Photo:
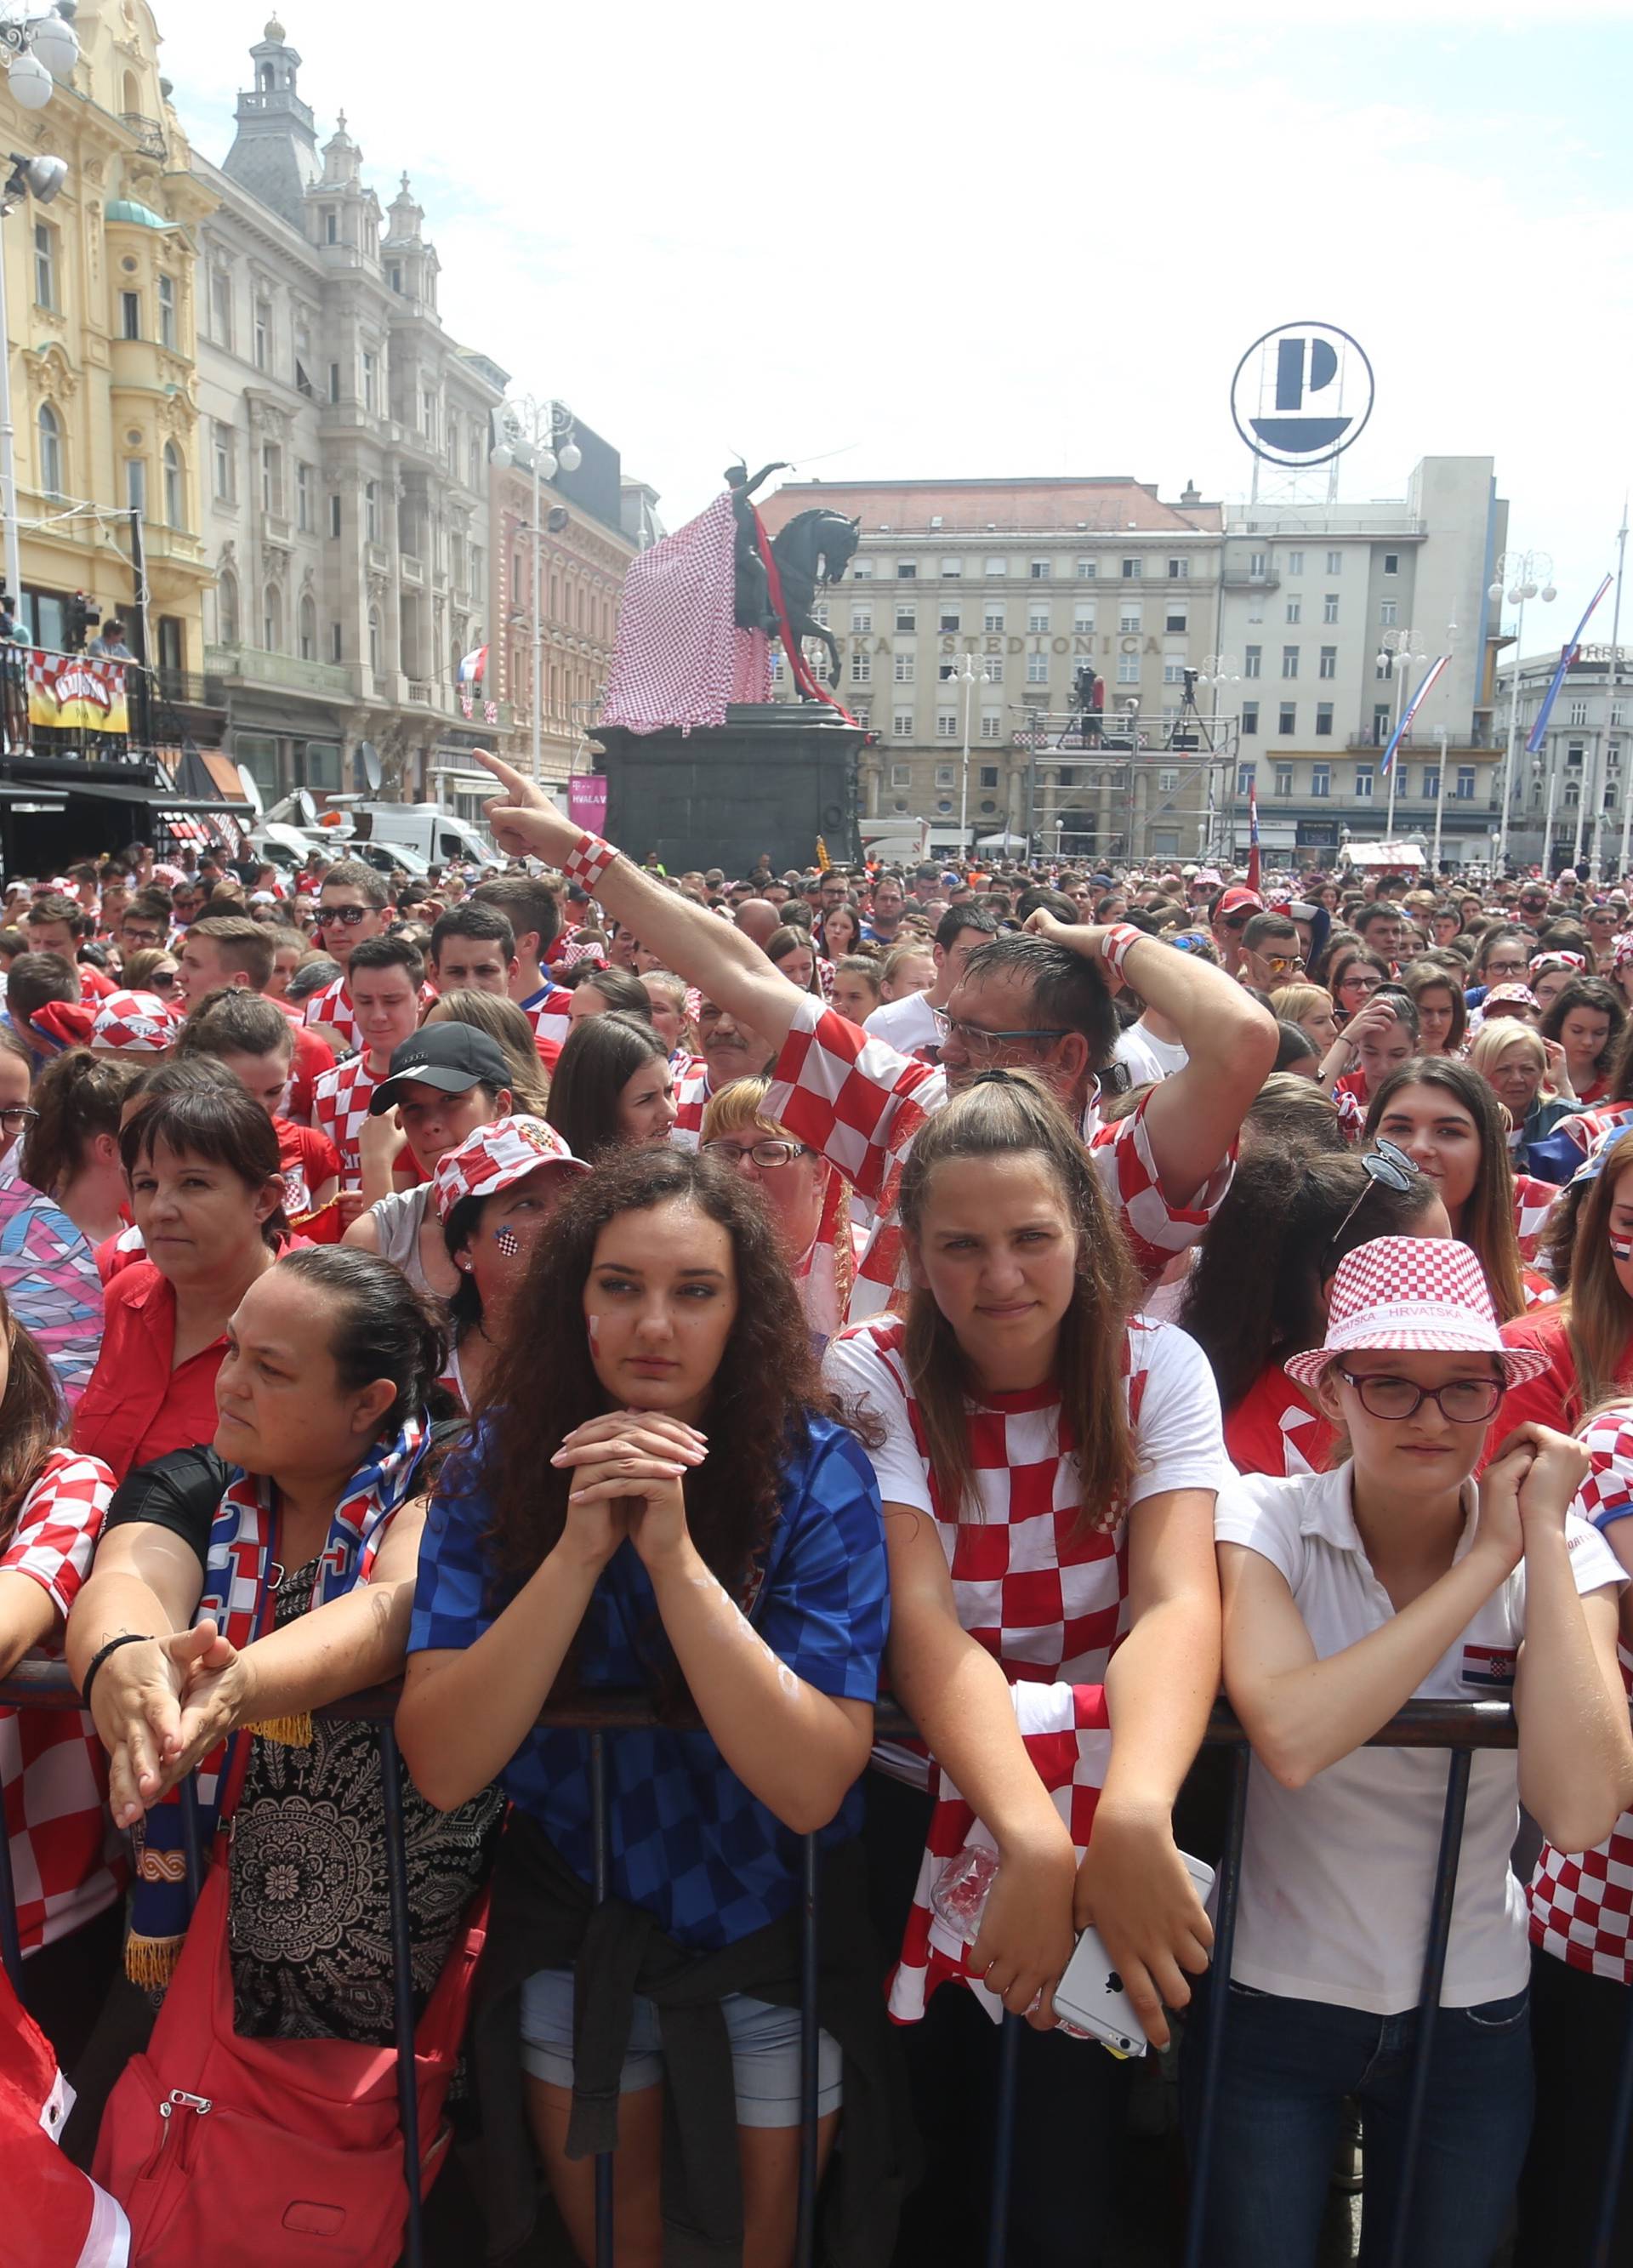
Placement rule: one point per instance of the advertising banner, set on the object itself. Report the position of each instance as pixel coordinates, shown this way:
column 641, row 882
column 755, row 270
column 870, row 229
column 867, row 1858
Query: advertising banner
column 76, row 692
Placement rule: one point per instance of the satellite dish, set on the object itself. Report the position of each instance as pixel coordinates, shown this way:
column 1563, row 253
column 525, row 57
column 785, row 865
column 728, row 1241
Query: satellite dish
column 252, row 793
column 305, row 806
column 369, row 757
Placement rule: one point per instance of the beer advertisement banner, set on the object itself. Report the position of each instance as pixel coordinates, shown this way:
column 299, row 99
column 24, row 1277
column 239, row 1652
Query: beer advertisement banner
column 78, row 693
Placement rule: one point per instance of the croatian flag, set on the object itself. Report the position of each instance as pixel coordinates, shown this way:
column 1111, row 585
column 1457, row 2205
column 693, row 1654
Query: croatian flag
column 474, row 668
column 1411, row 710
column 1567, row 655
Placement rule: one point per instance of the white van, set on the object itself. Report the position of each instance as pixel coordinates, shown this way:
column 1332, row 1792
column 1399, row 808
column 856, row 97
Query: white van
column 437, row 835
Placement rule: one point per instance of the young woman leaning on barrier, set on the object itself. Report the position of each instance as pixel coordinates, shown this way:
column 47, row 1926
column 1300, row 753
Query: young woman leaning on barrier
column 1049, row 1468
column 1347, row 1595
column 660, row 1496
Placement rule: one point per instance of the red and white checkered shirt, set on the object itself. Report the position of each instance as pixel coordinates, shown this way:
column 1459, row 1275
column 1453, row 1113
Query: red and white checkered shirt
column 339, row 1109
column 549, row 1012
column 66, row 1854
column 1044, row 1594
column 860, row 1102
column 332, row 1006
column 1581, row 1902
column 691, row 1099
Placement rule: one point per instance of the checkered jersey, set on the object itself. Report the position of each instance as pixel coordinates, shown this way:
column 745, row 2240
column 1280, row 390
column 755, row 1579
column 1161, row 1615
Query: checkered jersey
column 691, row 1098
column 858, row 1100
column 332, row 1006
column 549, row 1011
column 689, row 1843
column 65, row 1853
column 339, row 1109
column 1533, row 1200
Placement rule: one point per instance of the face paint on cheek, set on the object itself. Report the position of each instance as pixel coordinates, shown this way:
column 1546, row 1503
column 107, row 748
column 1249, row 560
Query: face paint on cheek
column 1621, row 1246
column 509, row 1243
column 592, row 1324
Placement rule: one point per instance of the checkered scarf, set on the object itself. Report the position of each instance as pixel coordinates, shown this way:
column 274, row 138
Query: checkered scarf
column 238, row 1598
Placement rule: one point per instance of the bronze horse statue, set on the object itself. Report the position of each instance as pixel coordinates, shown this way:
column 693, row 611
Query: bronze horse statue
column 813, row 552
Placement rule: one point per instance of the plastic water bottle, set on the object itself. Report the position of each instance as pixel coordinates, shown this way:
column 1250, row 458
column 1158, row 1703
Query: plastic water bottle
column 959, row 1897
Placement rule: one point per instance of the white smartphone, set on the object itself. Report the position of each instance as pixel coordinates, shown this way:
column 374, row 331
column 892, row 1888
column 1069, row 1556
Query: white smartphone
column 1091, row 1994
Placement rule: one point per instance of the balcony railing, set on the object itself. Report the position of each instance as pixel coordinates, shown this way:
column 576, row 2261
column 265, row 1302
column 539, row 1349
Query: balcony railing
column 287, row 670
column 147, row 133
column 1460, row 1728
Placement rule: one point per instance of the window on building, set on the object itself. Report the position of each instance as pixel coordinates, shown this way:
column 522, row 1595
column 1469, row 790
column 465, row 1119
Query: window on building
column 861, row 618
column 45, row 264
column 990, row 567
column 1320, row 780
column 1289, row 661
column 50, row 433
column 1389, row 612
column 1083, row 617
column 902, row 775
column 1329, row 607
column 907, row 618
column 902, row 724
column 1392, row 563
column 1335, row 562
column 1431, row 783
column 337, row 642
column 1287, row 717
column 1128, row 620
column 861, row 669
column 272, row 479
column 1168, row 782
column 947, row 729
column 334, row 381
column 1573, row 793
column 130, row 314
column 1038, row 621
column 175, row 486
column 1173, row 669
column 331, row 225
column 1259, row 565
column 308, row 629
column 1039, row 570
column 371, row 510
column 224, row 457
column 991, row 727
column 1133, row 570
column 1616, row 716
column 1253, row 661
column 906, row 570
column 167, row 311
column 1245, row 775
column 1127, row 669
column 992, row 668
column 335, row 514
column 951, row 570
column 272, row 619
column 1250, row 720
column 370, row 379
column 947, row 622
column 227, row 607
column 1284, row 779
column 1179, row 571
column 989, row 776
column 1295, row 610
column 903, row 669
column 1575, row 750
column 1577, row 712
column 136, row 484
column 1324, row 720
column 1176, row 618
column 262, row 335
column 1087, row 570
column 1037, row 669
column 305, row 492
column 1295, row 563
column 1328, row 664
column 1381, row 713
column 861, row 570
column 993, row 618
column 1364, row 782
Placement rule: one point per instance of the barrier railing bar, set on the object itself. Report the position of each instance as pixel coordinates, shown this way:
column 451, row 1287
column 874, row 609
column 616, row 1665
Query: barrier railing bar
column 1615, row 2152
column 1218, row 2002
column 1003, row 2140
column 1429, row 1998
column 804, row 2242
column 403, row 1990
column 10, row 1937
column 600, row 1842
column 191, row 1839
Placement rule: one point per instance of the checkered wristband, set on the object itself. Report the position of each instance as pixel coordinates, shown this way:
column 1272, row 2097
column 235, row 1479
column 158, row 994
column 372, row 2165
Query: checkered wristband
column 588, row 861
column 1116, row 944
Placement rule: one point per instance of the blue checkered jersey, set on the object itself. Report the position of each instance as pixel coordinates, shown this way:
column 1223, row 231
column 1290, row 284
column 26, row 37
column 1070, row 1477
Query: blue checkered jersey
column 689, row 1843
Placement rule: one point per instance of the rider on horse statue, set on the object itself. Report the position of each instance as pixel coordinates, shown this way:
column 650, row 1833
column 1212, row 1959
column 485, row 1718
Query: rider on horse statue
column 753, row 610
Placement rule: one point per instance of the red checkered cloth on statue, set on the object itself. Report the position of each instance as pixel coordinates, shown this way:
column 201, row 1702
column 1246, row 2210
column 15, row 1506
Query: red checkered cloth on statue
column 1039, row 1587
column 339, row 1109
column 67, row 1858
column 691, row 1099
column 680, row 659
column 1581, row 1902
column 861, row 1102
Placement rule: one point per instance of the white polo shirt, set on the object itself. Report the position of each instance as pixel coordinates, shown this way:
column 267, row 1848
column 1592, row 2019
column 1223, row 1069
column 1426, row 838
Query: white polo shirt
column 1337, row 1876
column 908, row 1024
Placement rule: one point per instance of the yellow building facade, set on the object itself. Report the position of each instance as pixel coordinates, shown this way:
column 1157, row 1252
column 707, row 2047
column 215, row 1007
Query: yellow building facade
column 102, row 322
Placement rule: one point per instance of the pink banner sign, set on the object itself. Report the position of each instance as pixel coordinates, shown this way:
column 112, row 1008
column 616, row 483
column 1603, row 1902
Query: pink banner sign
column 586, row 799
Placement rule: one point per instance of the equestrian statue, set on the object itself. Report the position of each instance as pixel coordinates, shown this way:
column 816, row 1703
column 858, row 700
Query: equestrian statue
column 809, row 555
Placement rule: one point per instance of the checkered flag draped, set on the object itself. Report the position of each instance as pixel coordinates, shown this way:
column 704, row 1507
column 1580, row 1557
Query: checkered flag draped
column 1533, row 1201
column 1067, row 1736
column 691, row 1099
column 551, row 1017
column 861, row 1102
column 680, row 658
column 339, row 1109
column 1589, row 1127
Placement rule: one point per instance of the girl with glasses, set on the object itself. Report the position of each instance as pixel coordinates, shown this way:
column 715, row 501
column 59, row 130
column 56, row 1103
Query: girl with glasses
column 1347, row 1594
column 808, row 1201
column 1354, row 978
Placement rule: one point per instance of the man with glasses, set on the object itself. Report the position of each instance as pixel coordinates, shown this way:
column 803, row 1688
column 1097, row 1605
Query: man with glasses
column 1040, row 1001
column 913, row 1020
column 1603, row 925
column 353, row 904
column 1534, row 906
column 1232, row 910
column 1270, row 954
column 145, row 924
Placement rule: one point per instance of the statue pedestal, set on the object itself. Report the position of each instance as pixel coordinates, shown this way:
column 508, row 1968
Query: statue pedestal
column 771, row 778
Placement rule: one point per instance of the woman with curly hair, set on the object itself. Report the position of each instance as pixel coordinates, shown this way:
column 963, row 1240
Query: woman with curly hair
column 661, row 1496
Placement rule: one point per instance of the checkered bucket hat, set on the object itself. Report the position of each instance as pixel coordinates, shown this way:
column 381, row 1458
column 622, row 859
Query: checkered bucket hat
column 495, row 1156
column 135, row 1023
column 1414, row 1295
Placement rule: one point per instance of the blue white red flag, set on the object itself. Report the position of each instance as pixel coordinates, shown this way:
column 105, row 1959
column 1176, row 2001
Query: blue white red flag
column 1567, row 655
column 474, row 668
column 1410, row 711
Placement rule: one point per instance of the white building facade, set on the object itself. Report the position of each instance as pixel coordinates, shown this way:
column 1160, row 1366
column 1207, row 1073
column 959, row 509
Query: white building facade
column 1568, row 805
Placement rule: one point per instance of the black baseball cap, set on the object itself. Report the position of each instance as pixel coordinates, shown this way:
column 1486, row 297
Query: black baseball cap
column 451, row 1057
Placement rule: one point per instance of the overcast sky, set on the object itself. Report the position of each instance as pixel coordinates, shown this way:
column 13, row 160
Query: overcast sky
column 900, row 240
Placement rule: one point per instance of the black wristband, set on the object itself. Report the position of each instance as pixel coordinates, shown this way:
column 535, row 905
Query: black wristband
column 125, row 1638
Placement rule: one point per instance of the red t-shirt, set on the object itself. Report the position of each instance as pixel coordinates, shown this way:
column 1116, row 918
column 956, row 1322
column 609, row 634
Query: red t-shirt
column 1275, row 1428
column 309, row 1160
column 136, row 1406
column 1553, row 1397
column 312, row 1056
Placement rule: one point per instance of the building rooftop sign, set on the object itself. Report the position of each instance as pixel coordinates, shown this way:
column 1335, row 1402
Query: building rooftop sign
column 1302, row 394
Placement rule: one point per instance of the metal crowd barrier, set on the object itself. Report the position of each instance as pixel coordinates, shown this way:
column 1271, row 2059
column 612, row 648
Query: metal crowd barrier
column 1458, row 1727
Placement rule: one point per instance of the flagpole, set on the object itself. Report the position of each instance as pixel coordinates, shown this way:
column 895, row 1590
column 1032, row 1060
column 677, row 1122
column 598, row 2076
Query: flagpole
column 1394, row 767
column 1439, row 798
column 1615, row 669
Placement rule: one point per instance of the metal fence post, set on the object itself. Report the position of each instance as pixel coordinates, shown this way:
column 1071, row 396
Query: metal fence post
column 602, row 1862
column 805, row 2247
column 1429, row 1997
column 1218, row 1999
column 192, row 1851
column 1003, row 2140
column 1615, row 2152
column 11, row 1940
column 402, row 1989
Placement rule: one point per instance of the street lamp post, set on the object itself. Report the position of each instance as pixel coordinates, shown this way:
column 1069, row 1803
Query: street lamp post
column 540, row 433
column 1394, row 652
column 1439, row 799
column 969, row 677
column 1522, row 575
column 1219, row 669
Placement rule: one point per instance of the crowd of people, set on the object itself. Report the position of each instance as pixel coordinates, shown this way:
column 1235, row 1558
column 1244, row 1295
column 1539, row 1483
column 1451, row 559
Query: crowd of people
column 1043, row 1298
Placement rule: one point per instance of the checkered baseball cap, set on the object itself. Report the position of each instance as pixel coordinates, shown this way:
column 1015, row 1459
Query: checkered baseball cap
column 493, row 1157
column 1515, row 996
column 1413, row 1295
column 1541, row 963
column 135, row 1023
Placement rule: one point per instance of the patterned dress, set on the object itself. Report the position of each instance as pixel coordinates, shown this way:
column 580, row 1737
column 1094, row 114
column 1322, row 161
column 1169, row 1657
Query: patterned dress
column 49, row 1273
